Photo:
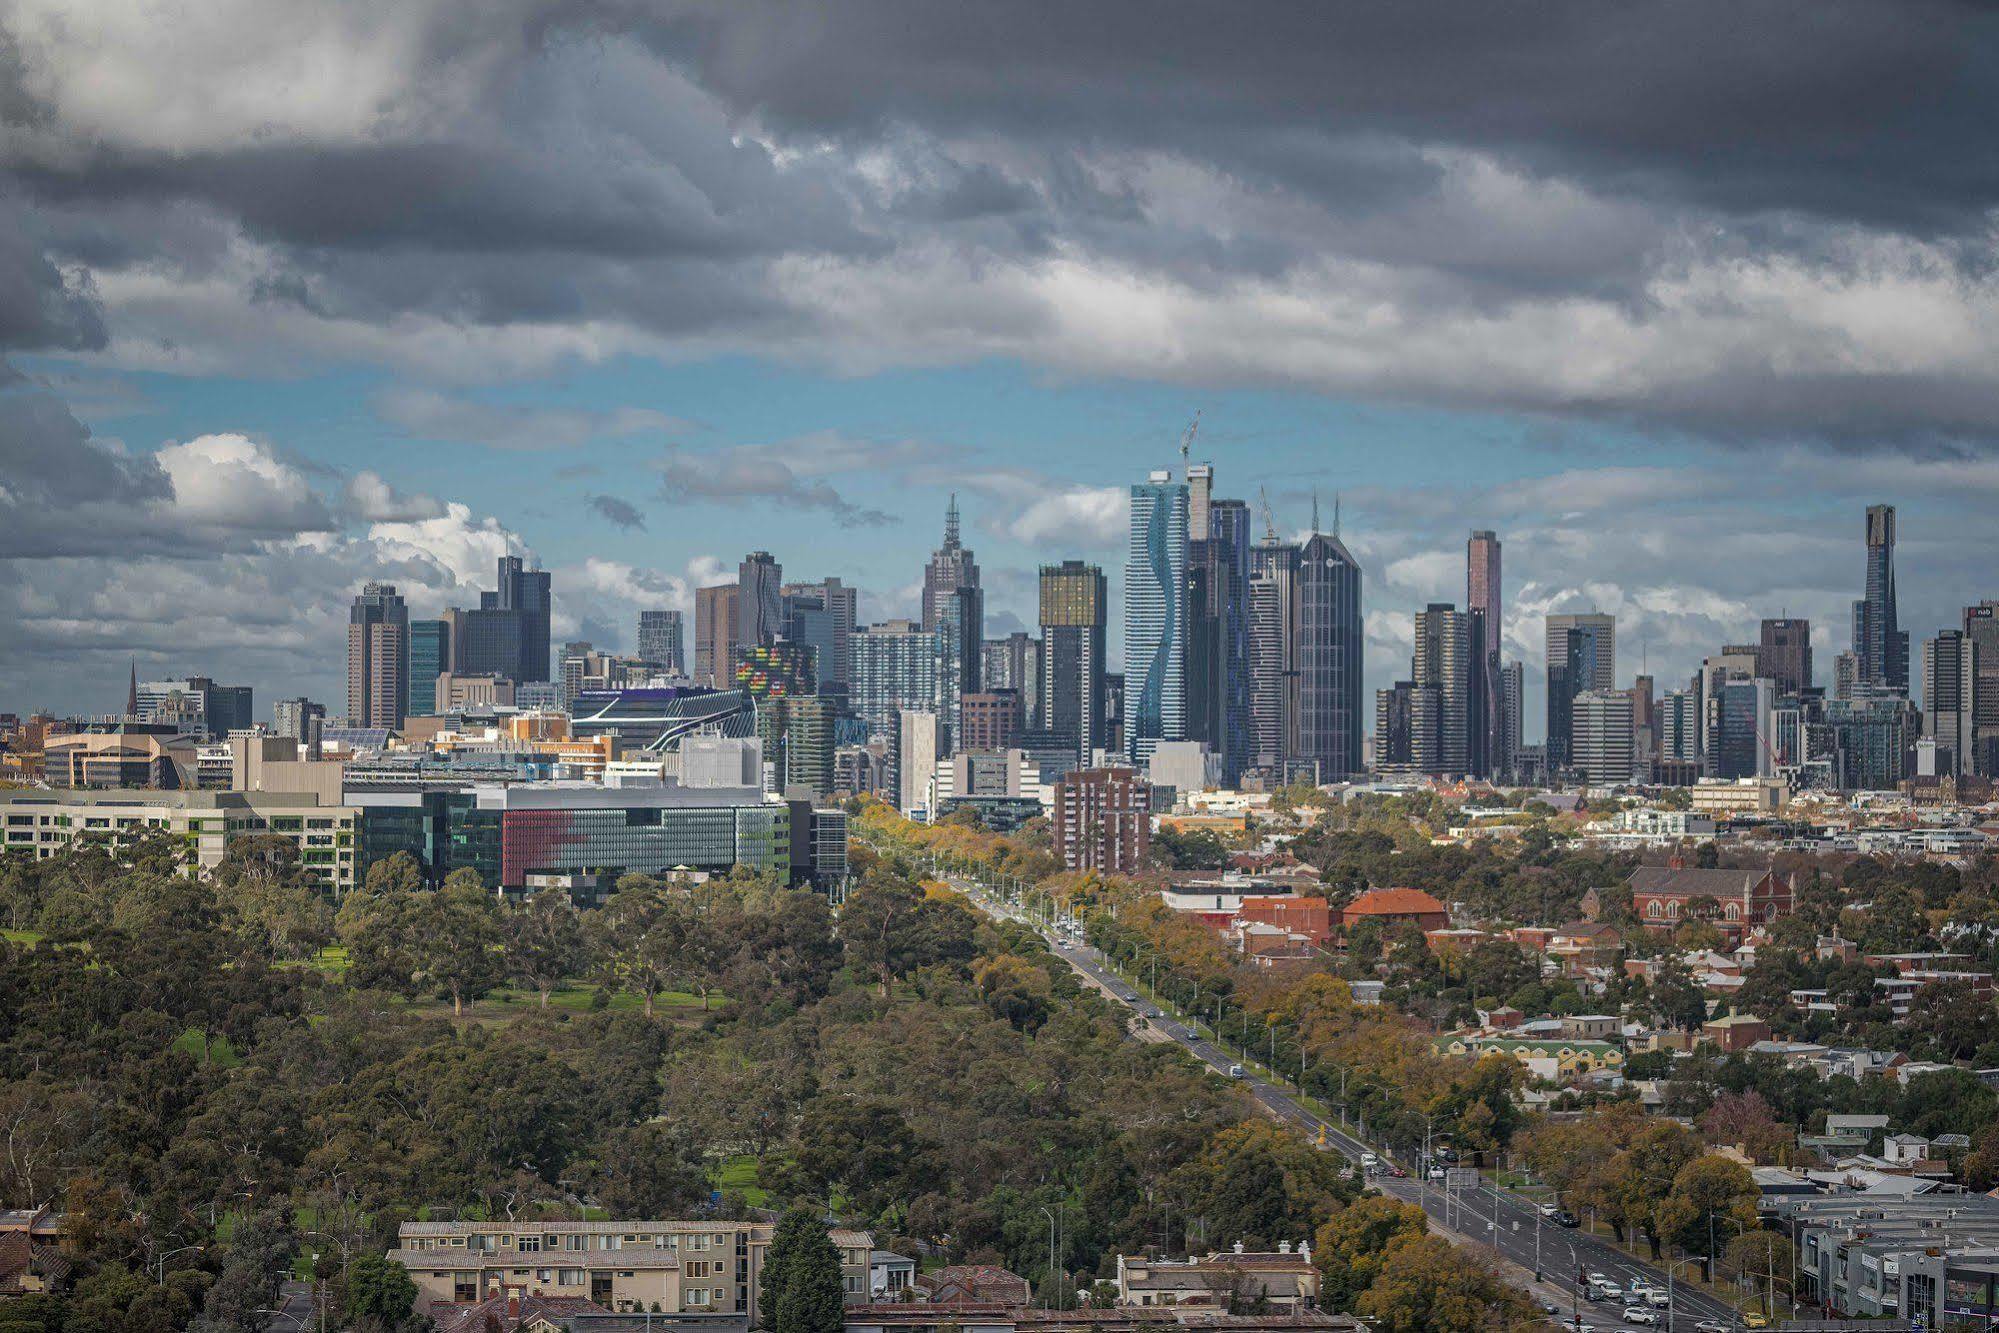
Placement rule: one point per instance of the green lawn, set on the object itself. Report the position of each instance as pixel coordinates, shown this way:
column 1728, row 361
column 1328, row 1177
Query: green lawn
column 21, row 936
column 216, row 1050
column 504, row 1003
column 739, row 1175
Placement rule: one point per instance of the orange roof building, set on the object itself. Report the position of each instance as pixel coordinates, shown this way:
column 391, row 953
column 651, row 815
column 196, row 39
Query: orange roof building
column 1392, row 905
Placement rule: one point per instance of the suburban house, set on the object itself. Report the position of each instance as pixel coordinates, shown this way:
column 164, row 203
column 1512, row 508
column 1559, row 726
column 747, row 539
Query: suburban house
column 1664, row 896
column 1393, row 906
column 1555, row 1058
column 702, row 1267
column 1284, row 1279
column 1735, row 1032
column 975, row 1284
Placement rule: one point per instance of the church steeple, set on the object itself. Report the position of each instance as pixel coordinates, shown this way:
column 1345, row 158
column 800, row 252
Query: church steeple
column 132, row 692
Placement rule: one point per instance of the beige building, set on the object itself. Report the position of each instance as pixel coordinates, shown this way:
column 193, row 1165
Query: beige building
column 1284, row 1278
column 204, row 822
column 704, row 1267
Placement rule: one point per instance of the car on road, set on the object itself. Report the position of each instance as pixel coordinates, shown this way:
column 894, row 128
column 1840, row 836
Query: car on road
column 1565, row 1218
column 1447, row 1154
column 1550, row 1211
column 1639, row 1314
column 1399, row 1172
column 1235, row 1071
column 1754, row 1320
column 1436, row 1173
column 1713, row 1326
column 1369, row 1162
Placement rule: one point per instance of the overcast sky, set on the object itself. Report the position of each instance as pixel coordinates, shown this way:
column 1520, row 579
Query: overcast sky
column 295, row 295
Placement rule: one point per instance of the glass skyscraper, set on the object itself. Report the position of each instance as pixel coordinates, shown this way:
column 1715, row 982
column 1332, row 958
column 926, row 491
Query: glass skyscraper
column 430, row 654
column 1329, row 651
column 1879, row 641
column 1155, row 616
column 1218, row 711
column 1072, row 655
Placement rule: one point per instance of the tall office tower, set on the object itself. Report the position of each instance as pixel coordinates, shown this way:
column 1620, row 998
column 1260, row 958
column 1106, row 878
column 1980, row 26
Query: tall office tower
column 894, row 671
column 1981, row 626
column 714, row 633
column 1582, row 655
column 1950, row 698
column 1446, row 650
column 1741, row 743
column 1273, row 655
column 951, row 566
column 1483, row 600
column 1644, row 725
column 430, row 657
column 525, row 593
column 988, row 721
column 1073, row 606
column 1014, row 663
column 1200, row 497
column 796, row 733
column 759, row 601
column 1394, row 727
column 294, row 717
column 1218, row 712
column 1512, row 716
column 662, row 641
column 1879, row 641
column 821, row 617
column 1155, row 616
column 960, row 636
column 1602, row 746
column 1680, row 727
column 1784, row 656
column 1735, row 661
column 378, row 663
column 1330, row 648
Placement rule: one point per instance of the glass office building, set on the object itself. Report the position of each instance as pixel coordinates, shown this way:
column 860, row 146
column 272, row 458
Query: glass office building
column 1155, row 616
column 430, row 655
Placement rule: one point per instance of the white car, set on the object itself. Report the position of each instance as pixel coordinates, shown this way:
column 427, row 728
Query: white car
column 1713, row 1326
column 1639, row 1314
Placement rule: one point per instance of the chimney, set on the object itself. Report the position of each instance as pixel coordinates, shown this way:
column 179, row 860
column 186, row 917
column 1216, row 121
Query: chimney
column 1238, row 1247
column 1284, row 1247
column 1676, row 862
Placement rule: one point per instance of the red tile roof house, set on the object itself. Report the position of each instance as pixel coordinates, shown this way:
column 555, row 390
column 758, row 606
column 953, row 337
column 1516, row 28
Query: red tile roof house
column 974, row 1284
column 1661, row 896
column 1389, row 906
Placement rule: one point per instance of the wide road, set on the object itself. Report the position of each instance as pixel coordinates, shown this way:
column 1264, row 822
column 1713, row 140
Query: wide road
column 1471, row 1214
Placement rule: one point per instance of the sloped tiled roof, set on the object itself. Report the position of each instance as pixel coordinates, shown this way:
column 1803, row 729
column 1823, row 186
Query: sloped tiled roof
column 1394, row 902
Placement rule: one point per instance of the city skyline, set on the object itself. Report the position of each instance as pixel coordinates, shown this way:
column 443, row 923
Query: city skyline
column 229, row 408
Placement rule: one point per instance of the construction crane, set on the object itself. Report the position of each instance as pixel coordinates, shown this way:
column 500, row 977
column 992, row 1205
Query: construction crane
column 1269, row 523
column 1187, row 437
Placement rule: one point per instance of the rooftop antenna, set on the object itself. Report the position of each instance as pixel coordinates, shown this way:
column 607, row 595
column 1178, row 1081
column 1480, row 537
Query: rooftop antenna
column 951, row 523
column 1336, row 515
column 1315, row 511
column 1187, row 438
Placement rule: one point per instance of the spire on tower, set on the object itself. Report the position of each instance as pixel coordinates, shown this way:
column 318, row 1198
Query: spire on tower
column 132, row 692
column 1315, row 511
column 951, row 523
column 1336, row 515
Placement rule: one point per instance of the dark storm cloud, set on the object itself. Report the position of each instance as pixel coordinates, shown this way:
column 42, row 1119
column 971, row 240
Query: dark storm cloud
column 619, row 513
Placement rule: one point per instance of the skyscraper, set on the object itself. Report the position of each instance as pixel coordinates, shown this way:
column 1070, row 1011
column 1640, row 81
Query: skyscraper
column 1581, row 655
column 1218, row 634
column 1512, row 715
column 378, row 626
column 662, row 641
column 430, row 657
column 1394, row 727
column 1330, row 647
column 1950, row 695
column 951, row 566
column 714, row 633
column 759, row 600
column 525, row 593
column 1784, row 656
column 960, row 640
column 1446, row 648
column 1743, row 740
column 1483, row 601
column 822, row 615
column 1014, row 663
column 1155, row 616
column 1981, row 626
column 1072, row 655
column 1880, row 644
column 894, row 671
column 1273, row 655
column 1603, row 745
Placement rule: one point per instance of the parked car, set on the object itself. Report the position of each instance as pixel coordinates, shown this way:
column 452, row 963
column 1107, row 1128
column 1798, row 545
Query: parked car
column 1754, row 1320
column 1712, row 1326
column 1550, row 1211
column 1399, row 1172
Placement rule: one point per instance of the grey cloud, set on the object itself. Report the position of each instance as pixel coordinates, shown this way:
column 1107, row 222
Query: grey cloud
column 772, row 474
column 619, row 513
column 438, row 416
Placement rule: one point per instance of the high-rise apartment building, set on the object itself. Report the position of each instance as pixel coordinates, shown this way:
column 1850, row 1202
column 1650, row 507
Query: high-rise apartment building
column 913, row 758
column 1273, row 655
column 1330, row 648
column 988, row 720
column 1950, row 699
column 1101, row 820
column 1680, row 728
column 1602, row 747
column 714, row 632
column 1880, row 644
column 894, row 668
column 951, row 566
column 1483, row 602
column 1981, row 626
column 1784, row 655
column 430, row 657
column 1073, row 606
column 1742, row 730
column 1581, row 656
column 1446, row 650
column 1155, row 616
column 662, row 641
column 759, row 600
column 1512, row 716
column 1395, row 728
column 1218, row 633
column 1014, row 663
column 297, row 718
column 378, row 626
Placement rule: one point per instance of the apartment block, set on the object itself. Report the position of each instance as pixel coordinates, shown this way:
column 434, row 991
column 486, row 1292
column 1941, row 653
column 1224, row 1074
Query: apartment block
column 705, row 1267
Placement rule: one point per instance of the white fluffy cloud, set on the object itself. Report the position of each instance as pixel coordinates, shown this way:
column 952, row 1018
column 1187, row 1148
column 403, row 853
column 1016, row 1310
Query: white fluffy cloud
column 1093, row 516
column 233, row 481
